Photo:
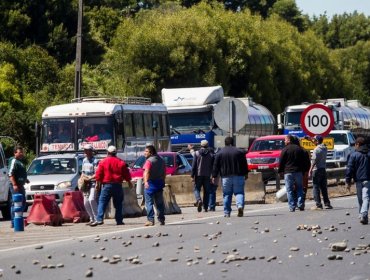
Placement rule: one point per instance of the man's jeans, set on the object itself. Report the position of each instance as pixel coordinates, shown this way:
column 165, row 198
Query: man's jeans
column 114, row 190
column 212, row 196
column 157, row 199
column 319, row 183
column 292, row 180
column 363, row 193
column 204, row 181
column 233, row 185
column 21, row 191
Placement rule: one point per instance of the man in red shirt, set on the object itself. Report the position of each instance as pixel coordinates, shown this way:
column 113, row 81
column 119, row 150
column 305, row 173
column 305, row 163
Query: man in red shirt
column 111, row 172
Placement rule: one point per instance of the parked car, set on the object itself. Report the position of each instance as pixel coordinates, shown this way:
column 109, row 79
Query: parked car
column 5, row 196
column 175, row 164
column 53, row 174
column 264, row 154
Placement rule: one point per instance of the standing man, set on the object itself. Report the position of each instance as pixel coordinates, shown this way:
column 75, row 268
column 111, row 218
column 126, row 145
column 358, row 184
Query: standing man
column 18, row 177
column 201, row 175
column 110, row 173
column 154, row 180
column 231, row 164
column 89, row 166
column 358, row 168
column 318, row 172
column 292, row 165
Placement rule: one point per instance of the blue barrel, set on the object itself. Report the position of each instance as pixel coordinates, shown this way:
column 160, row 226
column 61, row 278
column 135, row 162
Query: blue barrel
column 18, row 212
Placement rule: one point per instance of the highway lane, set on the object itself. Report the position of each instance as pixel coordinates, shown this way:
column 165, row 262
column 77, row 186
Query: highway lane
column 195, row 245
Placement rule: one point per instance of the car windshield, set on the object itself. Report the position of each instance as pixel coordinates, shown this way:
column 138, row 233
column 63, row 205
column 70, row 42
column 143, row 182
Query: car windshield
column 268, row 145
column 339, row 139
column 191, row 122
column 293, row 118
column 168, row 159
column 52, row 166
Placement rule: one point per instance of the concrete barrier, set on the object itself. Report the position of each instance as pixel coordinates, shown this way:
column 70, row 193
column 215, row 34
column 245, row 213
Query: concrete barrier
column 170, row 203
column 255, row 189
column 130, row 207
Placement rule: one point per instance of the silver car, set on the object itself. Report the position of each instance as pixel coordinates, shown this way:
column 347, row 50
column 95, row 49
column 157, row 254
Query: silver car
column 53, row 174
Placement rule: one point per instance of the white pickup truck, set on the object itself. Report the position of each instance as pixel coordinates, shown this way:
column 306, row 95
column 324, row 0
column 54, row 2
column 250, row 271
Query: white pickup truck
column 344, row 145
column 5, row 196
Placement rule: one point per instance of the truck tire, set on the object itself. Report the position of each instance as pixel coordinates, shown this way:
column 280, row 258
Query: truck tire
column 5, row 210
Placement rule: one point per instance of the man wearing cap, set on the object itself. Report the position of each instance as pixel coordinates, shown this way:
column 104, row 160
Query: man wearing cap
column 111, row 172
column 89, row 166
column 318, row 172
column 201, row 174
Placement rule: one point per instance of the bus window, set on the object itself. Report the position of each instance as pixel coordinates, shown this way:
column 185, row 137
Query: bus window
column 128, row 126
column 148, row 124
column 164, row 123
column 159, row 126
column 139, row 124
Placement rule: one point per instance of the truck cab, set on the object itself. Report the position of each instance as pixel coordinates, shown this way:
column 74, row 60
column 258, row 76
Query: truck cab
column 5, row 196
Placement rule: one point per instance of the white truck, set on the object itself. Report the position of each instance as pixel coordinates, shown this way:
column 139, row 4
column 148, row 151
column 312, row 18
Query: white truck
column 5, row 196
column 344, row 145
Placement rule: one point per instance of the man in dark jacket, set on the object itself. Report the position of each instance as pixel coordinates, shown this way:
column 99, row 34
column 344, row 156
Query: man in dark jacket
column 231, row 164
column 201, row 174
column 292, row 161
column 358, row 169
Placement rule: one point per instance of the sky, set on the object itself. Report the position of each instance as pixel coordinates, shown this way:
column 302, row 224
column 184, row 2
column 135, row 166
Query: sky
column 317, row 7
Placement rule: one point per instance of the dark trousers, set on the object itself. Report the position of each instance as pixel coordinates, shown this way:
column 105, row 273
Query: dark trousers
column 212, row 196
column 319, row 184
column 115, row 191
column 204, row 181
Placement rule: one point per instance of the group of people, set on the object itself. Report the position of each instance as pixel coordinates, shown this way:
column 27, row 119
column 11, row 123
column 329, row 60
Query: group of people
column 104, row 179
column 231, row 165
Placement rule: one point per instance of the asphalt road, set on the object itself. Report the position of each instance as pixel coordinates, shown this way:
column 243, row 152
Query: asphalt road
column 264, row 244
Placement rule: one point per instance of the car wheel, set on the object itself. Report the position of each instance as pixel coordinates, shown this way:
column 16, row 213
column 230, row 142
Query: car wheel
column 6, row 210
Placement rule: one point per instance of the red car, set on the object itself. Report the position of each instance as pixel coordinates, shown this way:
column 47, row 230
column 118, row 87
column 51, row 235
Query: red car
column 175, row 164
column 264, row 154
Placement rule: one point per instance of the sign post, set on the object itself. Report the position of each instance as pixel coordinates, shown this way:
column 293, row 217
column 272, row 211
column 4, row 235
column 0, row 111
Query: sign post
column 317, row 119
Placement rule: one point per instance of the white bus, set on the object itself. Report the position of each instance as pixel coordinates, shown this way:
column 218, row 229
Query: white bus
column 128, row 123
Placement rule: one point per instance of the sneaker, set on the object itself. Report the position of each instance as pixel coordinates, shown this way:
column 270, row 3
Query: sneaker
column 162, row 223
column 364, row 220
column 240, row 212
column 301, row 208
column 316, row 208
column 199, row 206
column 93, row 224
column 328, row 206
column 227, row 215
column 149, row 224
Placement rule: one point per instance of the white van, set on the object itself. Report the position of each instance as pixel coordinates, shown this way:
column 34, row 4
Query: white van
column 5, row 196
column 344, row 146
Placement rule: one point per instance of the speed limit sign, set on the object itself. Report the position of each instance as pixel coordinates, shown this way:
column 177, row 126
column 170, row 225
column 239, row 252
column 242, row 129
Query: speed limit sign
column 317, row 119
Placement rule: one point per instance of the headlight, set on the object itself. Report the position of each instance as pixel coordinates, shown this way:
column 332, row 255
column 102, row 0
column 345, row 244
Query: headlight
column 277, row 160
column 339, row 154
column 64, row 185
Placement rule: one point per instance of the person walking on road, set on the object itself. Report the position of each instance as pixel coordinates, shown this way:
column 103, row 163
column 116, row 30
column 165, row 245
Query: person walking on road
column 231, row 164
column 89, row 166
column 154, row 181
column 358, row 169
column 201, row 175
column 17, row 178
column 292, row 166
column 110, row 173
column 318, row 173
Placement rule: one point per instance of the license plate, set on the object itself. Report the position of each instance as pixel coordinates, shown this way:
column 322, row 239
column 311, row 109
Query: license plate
column 263, row 167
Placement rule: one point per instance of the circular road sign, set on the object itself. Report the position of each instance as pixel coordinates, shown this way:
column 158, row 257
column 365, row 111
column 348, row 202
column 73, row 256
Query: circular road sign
column 317, row 119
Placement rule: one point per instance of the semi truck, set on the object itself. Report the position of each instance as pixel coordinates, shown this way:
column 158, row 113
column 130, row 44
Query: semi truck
column 192, row 118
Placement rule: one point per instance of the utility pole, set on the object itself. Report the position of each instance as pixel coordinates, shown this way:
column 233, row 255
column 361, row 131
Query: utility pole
column 78, row 73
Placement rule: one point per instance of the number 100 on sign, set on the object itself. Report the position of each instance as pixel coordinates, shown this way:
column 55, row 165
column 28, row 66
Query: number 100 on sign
column 317, row 119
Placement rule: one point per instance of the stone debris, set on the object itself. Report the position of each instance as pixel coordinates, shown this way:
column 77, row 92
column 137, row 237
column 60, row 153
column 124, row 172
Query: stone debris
column 35, row 262
column 147, row 236
column 338, row 246
column 51, row 266
column 135, row 261
column 156, row 244
column 271, row 258
column 39, row 247
column 174, row 260
column 44, row 266
column 158, row 259
column 332, row 257
column 180, row 234
column 89, row 273
column 102, row 248
column 105, row 259
column 224, row 270
column 17, row 271
column 83, row 255
column 211, row 261
column 294, row 249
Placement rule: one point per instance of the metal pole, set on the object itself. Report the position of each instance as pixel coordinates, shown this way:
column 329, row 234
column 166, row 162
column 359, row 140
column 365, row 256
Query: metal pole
column 78, row 74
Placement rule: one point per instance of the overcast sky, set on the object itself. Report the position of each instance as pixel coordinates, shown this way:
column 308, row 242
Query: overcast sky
column 317, row 7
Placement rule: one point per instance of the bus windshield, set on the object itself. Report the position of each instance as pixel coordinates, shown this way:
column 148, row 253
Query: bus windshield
column 97, row 131
column 191, row 122
column 58, row 135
